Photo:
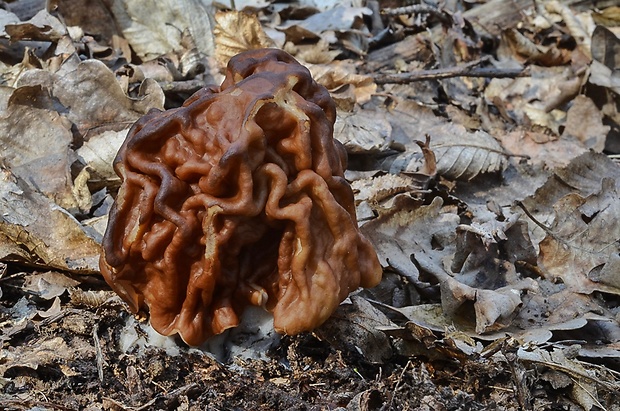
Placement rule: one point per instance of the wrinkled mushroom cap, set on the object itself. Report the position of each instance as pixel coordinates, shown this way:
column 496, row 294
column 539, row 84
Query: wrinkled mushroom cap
column 237, row 198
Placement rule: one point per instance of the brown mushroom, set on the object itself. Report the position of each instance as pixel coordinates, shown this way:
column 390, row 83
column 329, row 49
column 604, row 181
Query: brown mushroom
column 237, row 198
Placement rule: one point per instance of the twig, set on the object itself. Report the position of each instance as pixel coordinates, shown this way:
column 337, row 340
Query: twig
column 509, row 350
column 99, row 354
column 186, row 86
column 418, row 9
column 538, row 223
column 22, row 403
column 400, row 380
column 172, row 394
column 449, row 72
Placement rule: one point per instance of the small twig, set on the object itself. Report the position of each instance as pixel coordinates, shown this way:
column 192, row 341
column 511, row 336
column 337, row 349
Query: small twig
column 400, row 380
column 418, row 9
column 170, row 395
column 186, row 86
column 413, row 9
column 538, row 223
column 509, row 350
column 449, row 72
column 99, row 354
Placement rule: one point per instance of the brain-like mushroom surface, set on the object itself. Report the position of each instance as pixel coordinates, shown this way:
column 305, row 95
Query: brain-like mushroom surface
column 236, row 198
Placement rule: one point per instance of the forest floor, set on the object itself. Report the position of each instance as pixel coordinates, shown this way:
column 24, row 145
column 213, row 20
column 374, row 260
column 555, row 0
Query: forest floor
column 483, row 141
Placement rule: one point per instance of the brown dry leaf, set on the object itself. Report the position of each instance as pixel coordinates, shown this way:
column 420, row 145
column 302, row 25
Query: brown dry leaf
column 460, row 154
column 363, row 131
column 48, row 234
column 91, row 16
column 585, row 379
column 433, row 317
column 494, row 309
column 583, row 176
column 535, row 100
column 605, row 68
column 579, row 26
column 318, row 53
column 53, row 311
column 30, row 116
column 609, row 16
column 554, row 307
column 237, row 32
column 578, row 206
column 408, row 230
column 355, row 327
column 542, row 148
column 42, row 27
column 583, row 238
column 339, row 18
column 83, row 98
column 99, row 152
column 529, row 51
column 378, row 188
column 96, row 101
column 339, row 75
column 37, row 353
column 584, row 121
column 156, row 28
column 48, row 285
column 481, row 275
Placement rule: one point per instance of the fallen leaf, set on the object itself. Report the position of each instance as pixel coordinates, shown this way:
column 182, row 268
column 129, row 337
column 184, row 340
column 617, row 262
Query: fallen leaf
column 460, row 154
column 584, row 236
column 237, row 32
column 155, row 29
column 408, row 230
column 354, row 327
column 48, row 285
column 49, row 235
column 584, row 121
column 338, row 18
column 363, row 131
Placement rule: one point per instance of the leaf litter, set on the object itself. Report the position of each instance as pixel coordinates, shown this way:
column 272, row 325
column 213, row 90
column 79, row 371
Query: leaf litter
column 484, row 159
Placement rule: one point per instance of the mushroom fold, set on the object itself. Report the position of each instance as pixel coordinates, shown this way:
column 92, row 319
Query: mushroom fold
column 237, row 198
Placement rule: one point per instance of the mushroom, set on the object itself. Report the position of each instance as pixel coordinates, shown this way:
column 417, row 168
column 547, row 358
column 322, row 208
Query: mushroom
column 237, row 198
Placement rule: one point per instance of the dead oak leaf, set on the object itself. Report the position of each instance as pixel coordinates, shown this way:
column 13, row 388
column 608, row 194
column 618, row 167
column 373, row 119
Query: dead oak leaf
column 408, row 229
column 584, row 236
column 237, row 32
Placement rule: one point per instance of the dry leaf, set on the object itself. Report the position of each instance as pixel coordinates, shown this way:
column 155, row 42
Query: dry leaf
column 37, row 353
column 409, row 230
column 584, row 121
column 97, row 102
column 156, row 28
column 541, row 148
column 41, row 155
column 584, row 236
column 42, row 27
column 237, row 32
column 459, row 153
column 532, row 100
column 337, row 75
column 605, row 68
column 50, row 236
column 362, row 131
column 340, row 18
column 48, row 285
column 378, row 188
column 354, row 327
